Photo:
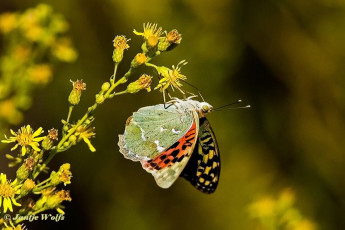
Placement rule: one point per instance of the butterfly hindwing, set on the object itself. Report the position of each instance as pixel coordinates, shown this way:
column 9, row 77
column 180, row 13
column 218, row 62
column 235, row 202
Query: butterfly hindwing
column 203, row 169
column 167, row 166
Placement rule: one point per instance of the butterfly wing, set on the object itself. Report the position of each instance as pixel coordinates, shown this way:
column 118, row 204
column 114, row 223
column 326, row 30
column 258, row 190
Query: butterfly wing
column 168, row 165
column 203, row 169
column 162, row 139
column 153, row 129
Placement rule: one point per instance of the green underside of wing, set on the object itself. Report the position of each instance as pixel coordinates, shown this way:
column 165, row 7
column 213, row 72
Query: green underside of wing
column 155, row 124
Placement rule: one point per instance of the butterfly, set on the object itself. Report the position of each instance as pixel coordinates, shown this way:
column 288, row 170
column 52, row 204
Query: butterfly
column 174, row 141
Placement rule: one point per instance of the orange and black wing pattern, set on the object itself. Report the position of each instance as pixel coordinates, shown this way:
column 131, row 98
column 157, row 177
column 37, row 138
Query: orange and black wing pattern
column 203, row 169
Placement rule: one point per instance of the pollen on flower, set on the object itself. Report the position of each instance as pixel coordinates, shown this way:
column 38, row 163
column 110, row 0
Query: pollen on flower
column 120, row 42
column 152, row 41
column 144, row 82
column 53, row 134
column 49, row 140
column 74, row 96
column 139, row 59
column 64, row 195
column 174, row 37
column 79, row 85
column 25, row 137
column 29, row 163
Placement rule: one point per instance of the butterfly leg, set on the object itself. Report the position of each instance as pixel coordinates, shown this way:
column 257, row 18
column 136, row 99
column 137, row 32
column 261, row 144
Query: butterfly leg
column 165, row 106
column 194, row 88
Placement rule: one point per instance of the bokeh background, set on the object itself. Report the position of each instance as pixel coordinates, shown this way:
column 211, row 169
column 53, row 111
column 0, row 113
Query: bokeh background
column 285, row 58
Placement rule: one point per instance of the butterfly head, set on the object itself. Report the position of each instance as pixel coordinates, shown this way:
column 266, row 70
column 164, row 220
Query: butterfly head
column 205, row 108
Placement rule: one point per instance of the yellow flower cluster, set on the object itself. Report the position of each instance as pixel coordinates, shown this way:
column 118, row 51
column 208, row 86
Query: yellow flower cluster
column 279, row 213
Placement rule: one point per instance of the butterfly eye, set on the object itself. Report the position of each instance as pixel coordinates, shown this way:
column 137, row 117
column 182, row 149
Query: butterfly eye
column 205, row 108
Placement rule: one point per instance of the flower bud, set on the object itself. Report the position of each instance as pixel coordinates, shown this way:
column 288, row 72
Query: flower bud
column 54, row 200
column 170, row 41
column 138, row 60
column 120, row 44
column 99, row 98
column 72, row 139
column 105, row 86
column 75, row 94
column 27, row 187
column 24, row 170
column 62, row 176
column 143, row 82
column 48, row 141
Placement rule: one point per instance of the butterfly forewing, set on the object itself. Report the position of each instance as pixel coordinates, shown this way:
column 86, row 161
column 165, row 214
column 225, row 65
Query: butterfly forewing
column 153, row 129
column 203, row 169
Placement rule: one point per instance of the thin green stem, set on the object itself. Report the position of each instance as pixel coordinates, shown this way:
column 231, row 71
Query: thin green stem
column 120, row 93
column 43, row 182
column 112, row 80
column 69, row 112
column 151, row 65
column 41, row 188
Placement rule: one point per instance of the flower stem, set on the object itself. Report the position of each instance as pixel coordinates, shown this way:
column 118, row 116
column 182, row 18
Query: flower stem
column 112, row 79
column 69, row 112
column 41, row 188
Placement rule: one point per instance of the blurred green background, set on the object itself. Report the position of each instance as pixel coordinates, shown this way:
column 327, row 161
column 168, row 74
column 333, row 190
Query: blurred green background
column 285, row 58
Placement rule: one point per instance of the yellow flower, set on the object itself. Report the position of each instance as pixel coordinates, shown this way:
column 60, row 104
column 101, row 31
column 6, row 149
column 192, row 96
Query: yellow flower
column 8, row 22
column 41, row 74
column 63, row 175
column 264, row 207
column 9, row 112
column 150, row 30
column 171, row 77
column 7, row 192
column 305, row 225
column 25, row 137
column 151, row 34
column 63, row 50
column 85, row 133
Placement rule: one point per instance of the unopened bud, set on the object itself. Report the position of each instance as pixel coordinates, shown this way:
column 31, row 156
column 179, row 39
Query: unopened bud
column 138, row 60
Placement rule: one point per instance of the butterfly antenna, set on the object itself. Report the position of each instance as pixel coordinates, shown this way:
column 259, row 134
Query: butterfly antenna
column 194, row 88
column 221, row 108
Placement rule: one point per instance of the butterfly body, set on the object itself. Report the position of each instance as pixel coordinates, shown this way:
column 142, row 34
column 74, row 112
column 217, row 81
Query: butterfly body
column 172, row 141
